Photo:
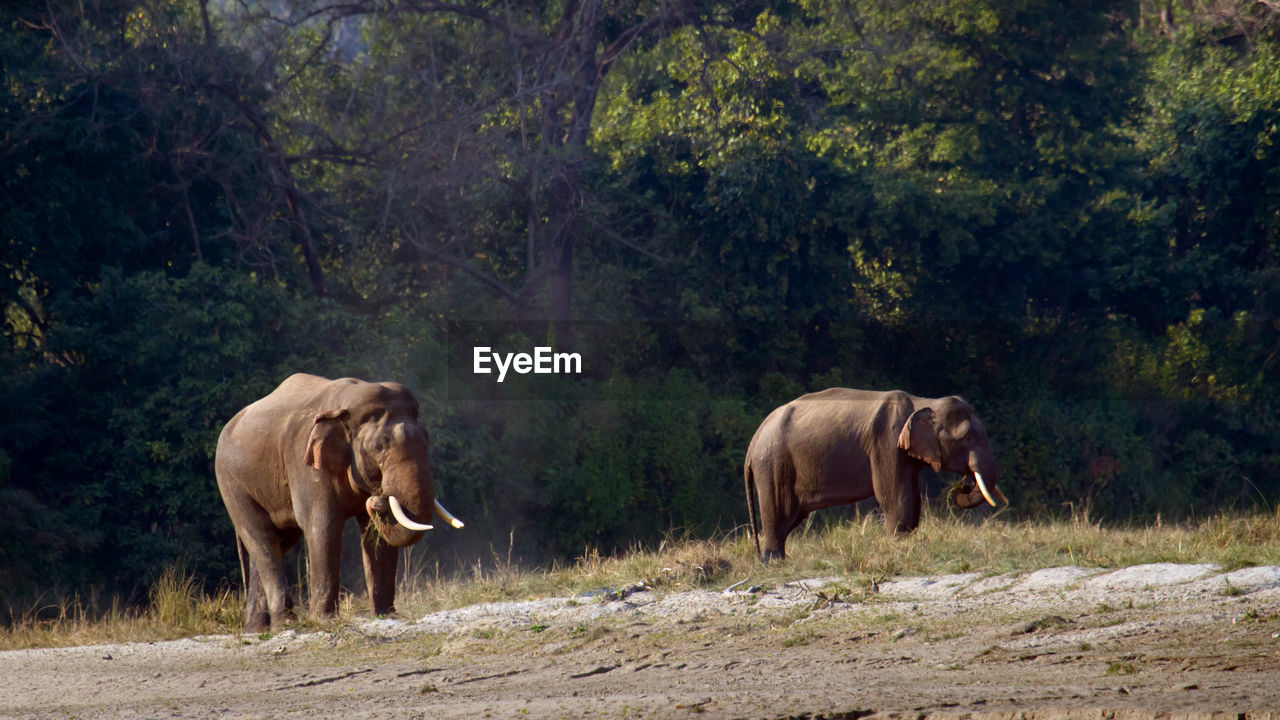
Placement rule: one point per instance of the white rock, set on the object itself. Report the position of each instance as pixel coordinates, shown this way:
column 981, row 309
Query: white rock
column 929, row 587
column 1153, row 575
column 1243, row 581
column 1053, row 579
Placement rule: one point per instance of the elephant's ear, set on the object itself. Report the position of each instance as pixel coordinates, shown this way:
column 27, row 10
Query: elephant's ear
column 919, row 438
column 328, row 448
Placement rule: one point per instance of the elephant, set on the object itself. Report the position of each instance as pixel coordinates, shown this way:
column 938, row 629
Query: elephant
column 841, row 446
column 302, row 460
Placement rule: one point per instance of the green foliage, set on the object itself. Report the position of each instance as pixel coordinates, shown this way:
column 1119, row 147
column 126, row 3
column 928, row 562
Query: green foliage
column 1067, row 213
column 633, row 469
column 112, row 445
column 1207, row 380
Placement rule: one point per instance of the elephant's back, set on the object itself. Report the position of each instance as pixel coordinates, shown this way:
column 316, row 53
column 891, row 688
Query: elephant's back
column 842, row 405
column 790, row 424
column 266, row 422
column 312, row 395
column 824, row 417
column 302, row 390
column 299, row 398
column 252, row 438
column 852, row 397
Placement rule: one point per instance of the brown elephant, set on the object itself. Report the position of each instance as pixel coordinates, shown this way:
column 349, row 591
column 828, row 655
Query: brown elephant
column 841, row 446
column 301, row 461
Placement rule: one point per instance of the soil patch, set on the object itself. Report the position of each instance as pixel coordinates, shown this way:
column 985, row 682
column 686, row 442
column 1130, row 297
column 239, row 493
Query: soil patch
column 1142, row 642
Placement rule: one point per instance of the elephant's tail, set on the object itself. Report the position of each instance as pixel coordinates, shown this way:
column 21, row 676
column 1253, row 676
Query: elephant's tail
column 749, row 482
column 243, row 553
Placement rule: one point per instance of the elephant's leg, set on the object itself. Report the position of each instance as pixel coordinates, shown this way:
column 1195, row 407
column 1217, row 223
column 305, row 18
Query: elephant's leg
column 264, row 546
column 324, row 558
column 267, row 572
column 783, row 526
column 261, row 547
column 256, row 617
column 777, row 519
column 900, row 501
column 772, row 542
column 797, row 522
column 380, row 562
column 288, row 539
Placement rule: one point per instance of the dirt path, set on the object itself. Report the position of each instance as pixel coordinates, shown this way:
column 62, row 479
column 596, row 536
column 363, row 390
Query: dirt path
column 1144, row 642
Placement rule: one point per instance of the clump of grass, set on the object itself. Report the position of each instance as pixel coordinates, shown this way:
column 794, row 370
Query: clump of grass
column 1121, row 667
column 677, row 563
column 803, row 638
column 176, row 607
column 65, row 621
column 947, row 543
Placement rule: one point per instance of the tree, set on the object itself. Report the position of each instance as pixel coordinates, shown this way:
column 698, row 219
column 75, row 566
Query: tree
column 463, row 130
column 1211, row 364
column 142, row 259
column 131, row 141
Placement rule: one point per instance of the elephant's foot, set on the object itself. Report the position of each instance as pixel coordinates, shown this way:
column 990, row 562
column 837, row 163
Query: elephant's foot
column 770, row 554
column 280, row 621
column 324, row 609
column 258, row 624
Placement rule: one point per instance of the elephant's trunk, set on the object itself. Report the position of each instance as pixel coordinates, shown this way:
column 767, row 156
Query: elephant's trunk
column 401, row 512
column 983, row 467
column 394, row 523
column 402, row 506
column 379, row 505
column 400, row 521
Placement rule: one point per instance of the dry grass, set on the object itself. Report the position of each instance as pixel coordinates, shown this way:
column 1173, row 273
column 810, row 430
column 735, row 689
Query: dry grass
column 176, row 607
column 855, row 549
column 858, row 550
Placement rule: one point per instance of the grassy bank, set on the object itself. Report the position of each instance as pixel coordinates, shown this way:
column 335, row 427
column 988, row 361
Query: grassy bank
column 855, row 549
column 859, row 550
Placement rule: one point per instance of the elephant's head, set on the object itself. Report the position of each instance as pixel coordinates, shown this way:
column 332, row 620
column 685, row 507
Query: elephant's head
column 384, row 453
column 949, row 436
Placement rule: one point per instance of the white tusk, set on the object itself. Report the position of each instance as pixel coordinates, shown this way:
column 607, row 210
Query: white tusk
column 447, row 516
column 981, row 486
column 402, row 518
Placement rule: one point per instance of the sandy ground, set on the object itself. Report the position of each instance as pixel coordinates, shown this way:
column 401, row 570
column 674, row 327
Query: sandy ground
column 1153, row 641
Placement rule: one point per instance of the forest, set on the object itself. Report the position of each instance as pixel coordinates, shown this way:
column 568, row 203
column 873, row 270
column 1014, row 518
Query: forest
column 1068, row 213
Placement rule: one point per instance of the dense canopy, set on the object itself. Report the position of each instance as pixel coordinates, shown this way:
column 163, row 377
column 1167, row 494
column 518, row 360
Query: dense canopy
column 1069, row 213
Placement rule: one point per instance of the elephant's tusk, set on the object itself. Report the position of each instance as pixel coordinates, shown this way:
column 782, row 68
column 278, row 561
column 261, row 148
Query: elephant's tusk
column 1000, row 496
column 447, row 516
column 402, row 518
column 987, row 493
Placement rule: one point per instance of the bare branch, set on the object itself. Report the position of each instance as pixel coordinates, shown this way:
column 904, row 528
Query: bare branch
column 293, row 198
column 613, row 235
column 466, row 267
